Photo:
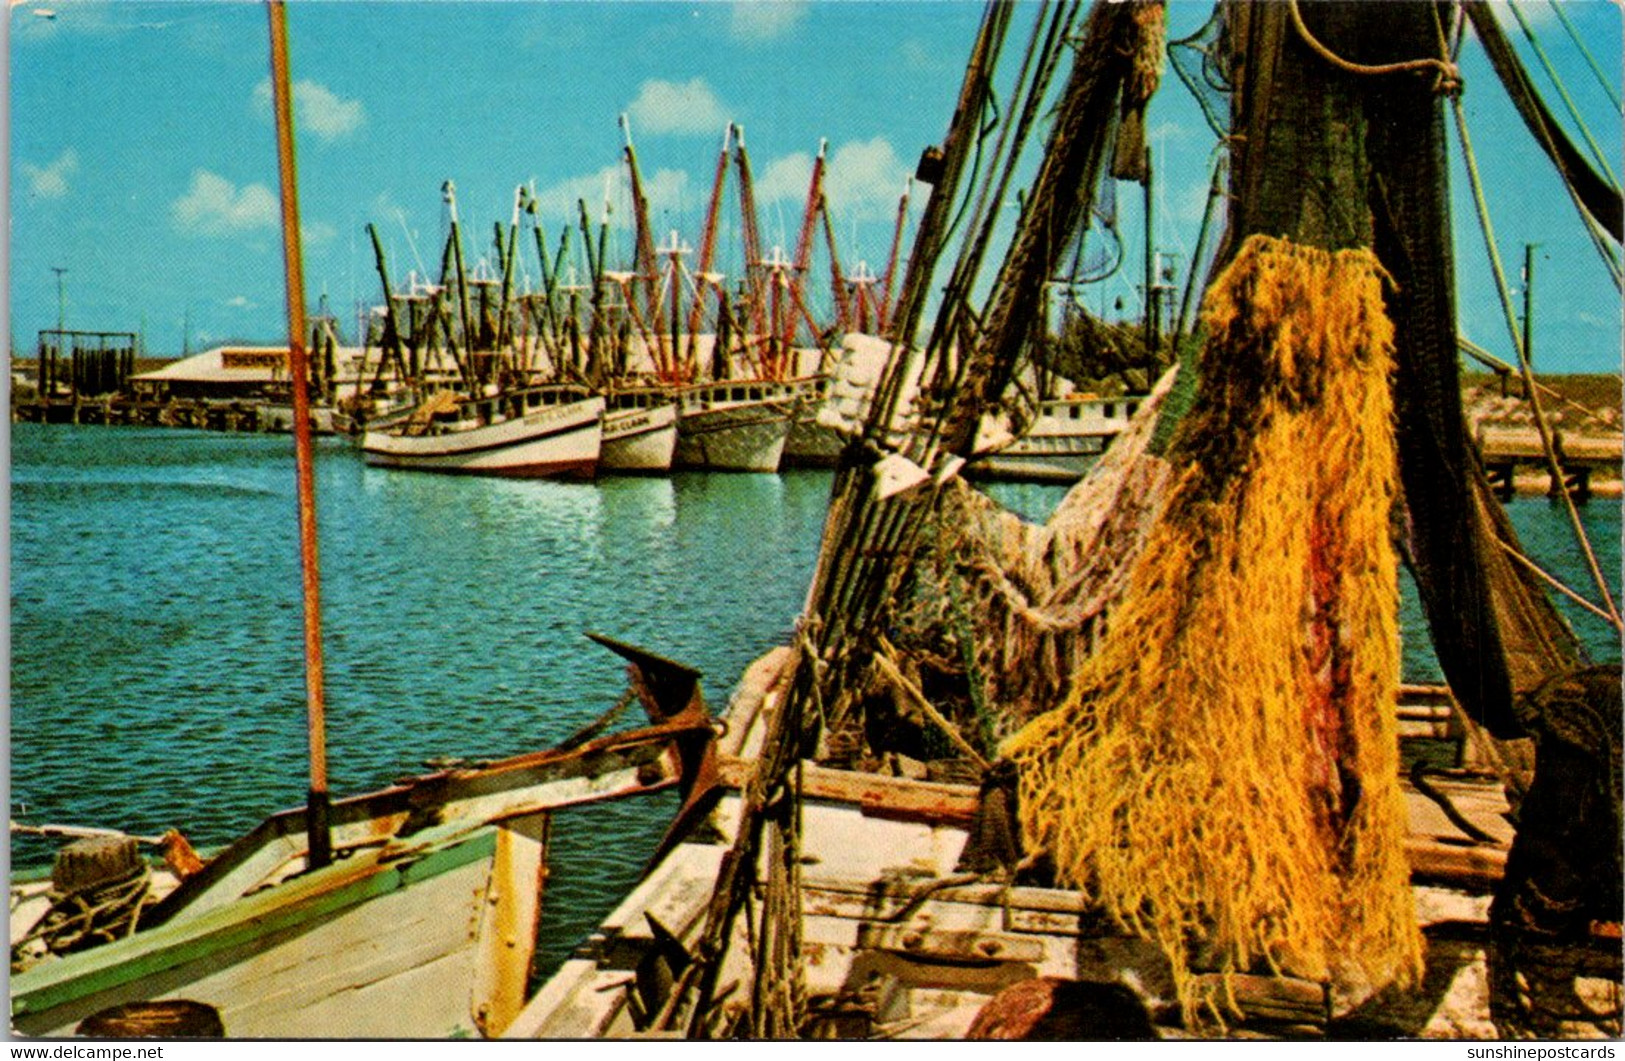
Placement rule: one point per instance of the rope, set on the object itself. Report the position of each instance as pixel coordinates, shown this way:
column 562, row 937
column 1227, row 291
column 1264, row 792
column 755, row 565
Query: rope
column 1602, row 79
column 1555, row 584
column 894, row 675
column 1449, row 79
column 1563, row 94
column 100, row 913
column 1505, row 293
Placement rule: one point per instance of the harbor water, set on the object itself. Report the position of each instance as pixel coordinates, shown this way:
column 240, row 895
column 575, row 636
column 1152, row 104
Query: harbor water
column 156, row 643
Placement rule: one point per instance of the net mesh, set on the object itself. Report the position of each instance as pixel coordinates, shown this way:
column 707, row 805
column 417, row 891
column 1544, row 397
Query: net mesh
column 1222, row 776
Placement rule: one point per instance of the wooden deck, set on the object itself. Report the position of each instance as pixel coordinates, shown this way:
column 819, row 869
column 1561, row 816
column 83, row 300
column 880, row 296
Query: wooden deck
column 897, row 945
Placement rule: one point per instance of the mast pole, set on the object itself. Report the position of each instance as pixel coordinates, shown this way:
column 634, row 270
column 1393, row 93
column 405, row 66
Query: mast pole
column 317, row 803
column 883, row 311
column 804, row 244
column 391, row 342
column 837, row 279
column 708, row 243
column 504, row 331
column 645, row 259
column 455, row 242
column 752, row 233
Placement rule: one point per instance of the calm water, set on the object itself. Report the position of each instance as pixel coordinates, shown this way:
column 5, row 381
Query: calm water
column 156, row 672
column 156, row 676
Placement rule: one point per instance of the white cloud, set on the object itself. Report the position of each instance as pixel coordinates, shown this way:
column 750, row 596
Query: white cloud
column 760, row 20
column 785, row 178
column 385, row 206
column 1167, row 133
column 862, row 180
column 213, row 206
column 664, row 189
column 670, row 107
column 316, row 109
column 317, row 233
column 557, row 202
column 241, row 302
column 51, row 181
column 45, row 20
column 33, row 25
column 865, row 179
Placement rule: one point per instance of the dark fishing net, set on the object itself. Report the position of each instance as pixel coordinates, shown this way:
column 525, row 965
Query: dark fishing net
column 1098, row 252
column 1200, row 61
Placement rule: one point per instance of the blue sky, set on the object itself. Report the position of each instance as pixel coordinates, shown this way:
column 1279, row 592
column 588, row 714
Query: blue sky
column 142, row 157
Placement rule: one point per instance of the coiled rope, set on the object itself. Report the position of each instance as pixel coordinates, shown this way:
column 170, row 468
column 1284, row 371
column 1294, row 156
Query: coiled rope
column 1449, row 75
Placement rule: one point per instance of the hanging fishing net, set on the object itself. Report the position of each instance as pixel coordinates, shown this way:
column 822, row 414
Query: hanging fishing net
column 1200, row 62
column 1223, row 775
column 1098, row 252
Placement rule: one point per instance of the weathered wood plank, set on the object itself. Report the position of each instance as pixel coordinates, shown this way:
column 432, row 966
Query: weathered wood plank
column 880, row 797
column 272, row 982
column 308, row 900
column 951, row 946
column 581, row 1000
column 510, row 914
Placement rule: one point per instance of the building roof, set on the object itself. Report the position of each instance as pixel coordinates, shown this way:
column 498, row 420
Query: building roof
column 232, row 364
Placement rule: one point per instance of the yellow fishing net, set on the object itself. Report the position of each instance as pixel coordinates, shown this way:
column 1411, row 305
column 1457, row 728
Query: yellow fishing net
column 1223, row 777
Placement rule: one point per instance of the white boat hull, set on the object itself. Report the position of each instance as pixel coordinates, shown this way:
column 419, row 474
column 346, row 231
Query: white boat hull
column 1066, row 438
column 555, row 442
column 1043, row 458
column 278, row 419
column 744, row 437
column 639, row 441
column 812, row 445
column 814, row 442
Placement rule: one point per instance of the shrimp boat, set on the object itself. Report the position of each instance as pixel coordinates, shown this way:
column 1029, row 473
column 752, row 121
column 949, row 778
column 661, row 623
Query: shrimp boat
column 423, row 924
column 640, row 431
column 740, row 425
column 552, row 431
column 905, row 933
column 1067, row 435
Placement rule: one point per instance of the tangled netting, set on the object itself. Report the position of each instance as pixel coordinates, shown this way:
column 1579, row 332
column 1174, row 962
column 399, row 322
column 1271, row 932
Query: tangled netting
column 1020, row 606
column 1223, row 776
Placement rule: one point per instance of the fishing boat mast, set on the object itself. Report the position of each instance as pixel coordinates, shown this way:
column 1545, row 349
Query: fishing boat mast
column 504, row 326
column 454, row 246
column 646, row 262
column 317, row 804
column 752, row 233
column 837, row 279
column 804, row 246
column 391, row 339
column 883, row 316
column 708, row 242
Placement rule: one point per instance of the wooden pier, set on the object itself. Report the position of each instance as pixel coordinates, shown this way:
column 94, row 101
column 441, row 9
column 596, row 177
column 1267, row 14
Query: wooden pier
column 117, row 410
column 1514, row 454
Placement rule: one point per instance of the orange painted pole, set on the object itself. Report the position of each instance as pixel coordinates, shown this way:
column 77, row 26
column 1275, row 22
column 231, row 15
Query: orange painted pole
column 317, row 805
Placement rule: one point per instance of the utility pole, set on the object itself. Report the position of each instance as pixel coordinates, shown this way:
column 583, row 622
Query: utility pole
column 1150, row 259
column 1529, row 303
column 61, row 300
column 61, row 324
